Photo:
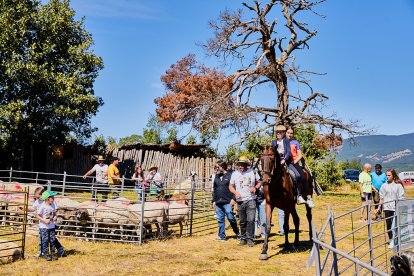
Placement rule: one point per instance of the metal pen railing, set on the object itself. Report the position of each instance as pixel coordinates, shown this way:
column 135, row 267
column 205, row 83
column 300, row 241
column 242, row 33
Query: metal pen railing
column 135, row 229
column 361, row 249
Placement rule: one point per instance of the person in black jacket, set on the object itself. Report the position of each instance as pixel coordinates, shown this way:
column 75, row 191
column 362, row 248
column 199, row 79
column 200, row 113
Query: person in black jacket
column 222, row 198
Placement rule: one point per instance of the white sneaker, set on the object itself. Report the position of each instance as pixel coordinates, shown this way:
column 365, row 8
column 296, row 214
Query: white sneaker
column 391, row 245
column 310, row 203
column 301, row 200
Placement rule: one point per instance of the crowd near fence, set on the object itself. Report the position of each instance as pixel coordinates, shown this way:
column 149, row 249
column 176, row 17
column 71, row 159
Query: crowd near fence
column 347, row 246
column 13, row 222
column 180, row 207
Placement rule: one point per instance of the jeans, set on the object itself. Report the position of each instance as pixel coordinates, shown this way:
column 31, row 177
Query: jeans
column 281, row 217
column 389, row 218
column 102, row 188
column 48, row 238
column 260, row 219
column 225, row 210
column 58, row 246
column 247, row 210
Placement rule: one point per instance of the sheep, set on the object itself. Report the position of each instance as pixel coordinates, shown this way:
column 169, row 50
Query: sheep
column 177, row 212
column 111, row 218
column 154, row 213
column 4, row 200
column 402, row 265
column 9, row 252
column 67, row 210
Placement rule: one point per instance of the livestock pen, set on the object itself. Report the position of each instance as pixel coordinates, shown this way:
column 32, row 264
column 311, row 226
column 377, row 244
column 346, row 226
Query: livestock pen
column 184, row 210
column 13, row 221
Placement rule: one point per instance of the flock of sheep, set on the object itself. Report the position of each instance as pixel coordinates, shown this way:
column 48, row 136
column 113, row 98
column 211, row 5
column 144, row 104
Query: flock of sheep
column 115, row 219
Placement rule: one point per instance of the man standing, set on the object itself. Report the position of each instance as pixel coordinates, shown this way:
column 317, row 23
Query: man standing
column 114, row 177
column 365, row 185
column 221, row 200
column 378, row 179
column 243, row 184
column 101, row 180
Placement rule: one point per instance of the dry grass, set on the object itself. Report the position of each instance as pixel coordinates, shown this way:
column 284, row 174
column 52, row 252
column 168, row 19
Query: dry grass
column 188, row 256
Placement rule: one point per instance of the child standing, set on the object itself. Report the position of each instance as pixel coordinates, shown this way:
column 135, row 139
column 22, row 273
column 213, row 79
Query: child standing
column 46, row 214
column 38, row 201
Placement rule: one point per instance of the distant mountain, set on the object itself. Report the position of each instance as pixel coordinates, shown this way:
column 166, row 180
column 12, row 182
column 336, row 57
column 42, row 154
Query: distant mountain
column 392, row 151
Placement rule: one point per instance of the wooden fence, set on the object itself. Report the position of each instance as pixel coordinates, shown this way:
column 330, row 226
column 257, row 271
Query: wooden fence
column 170, row 166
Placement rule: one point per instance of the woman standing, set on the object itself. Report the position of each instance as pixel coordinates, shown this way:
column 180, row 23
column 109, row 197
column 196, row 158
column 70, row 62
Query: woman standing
column 138, row 176
column 390, row 192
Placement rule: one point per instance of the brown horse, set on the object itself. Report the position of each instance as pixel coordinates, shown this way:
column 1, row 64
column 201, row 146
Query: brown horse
column 278, row 192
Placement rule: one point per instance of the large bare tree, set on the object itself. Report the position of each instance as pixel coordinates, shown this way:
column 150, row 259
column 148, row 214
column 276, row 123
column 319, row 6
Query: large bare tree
column 260, row 41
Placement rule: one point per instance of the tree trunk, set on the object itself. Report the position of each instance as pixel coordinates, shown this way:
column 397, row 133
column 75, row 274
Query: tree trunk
column 282, row 99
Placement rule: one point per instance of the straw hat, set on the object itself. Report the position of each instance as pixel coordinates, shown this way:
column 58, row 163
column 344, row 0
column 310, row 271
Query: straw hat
column 101, row 158
column 280, row 128
column 243, row 160
column 153, row 167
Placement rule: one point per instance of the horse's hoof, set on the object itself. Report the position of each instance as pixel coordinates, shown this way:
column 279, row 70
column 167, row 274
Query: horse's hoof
column 263, row 257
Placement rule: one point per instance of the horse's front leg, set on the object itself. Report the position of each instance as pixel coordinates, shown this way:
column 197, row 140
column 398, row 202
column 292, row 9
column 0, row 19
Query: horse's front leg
column 286, row 229
column 309, row 217
column 269, row 210
column 296, row 221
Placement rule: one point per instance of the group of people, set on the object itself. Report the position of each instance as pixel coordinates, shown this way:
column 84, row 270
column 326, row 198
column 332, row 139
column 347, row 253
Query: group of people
column 385, row 189
column 108, row 179
column 243, row 188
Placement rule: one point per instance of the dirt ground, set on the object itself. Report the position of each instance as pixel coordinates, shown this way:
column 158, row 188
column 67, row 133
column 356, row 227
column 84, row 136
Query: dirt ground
column 188, row 256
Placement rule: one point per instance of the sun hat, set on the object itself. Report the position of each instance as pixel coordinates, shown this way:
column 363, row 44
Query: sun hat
column 243, row 159
column 101, row 158
column 280, row 128
column 153, row 167
column 48, row 193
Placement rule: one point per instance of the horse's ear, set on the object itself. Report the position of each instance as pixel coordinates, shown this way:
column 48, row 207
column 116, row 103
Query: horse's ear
column 260, row 146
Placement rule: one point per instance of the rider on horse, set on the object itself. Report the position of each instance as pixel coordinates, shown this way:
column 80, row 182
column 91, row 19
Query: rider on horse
column 283, row 147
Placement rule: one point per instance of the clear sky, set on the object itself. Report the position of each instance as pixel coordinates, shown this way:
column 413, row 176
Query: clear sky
column 364, row 47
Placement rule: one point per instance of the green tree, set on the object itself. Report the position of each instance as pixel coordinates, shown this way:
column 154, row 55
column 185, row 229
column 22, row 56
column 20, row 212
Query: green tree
column 131, row 139
column 353, row 164
column 191, row 140
column 172, row 135
column 328, row 173
column 47, row 71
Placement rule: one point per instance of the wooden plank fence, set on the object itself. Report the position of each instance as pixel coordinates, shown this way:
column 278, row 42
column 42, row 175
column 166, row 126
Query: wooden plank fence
column 170, row 166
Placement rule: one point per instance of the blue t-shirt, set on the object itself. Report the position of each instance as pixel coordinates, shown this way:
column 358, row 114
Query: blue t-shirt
column 378, row 180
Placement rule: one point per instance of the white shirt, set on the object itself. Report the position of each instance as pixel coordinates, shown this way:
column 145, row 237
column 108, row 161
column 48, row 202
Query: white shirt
column 47, row 212
column 242, row 182
column 101, row 173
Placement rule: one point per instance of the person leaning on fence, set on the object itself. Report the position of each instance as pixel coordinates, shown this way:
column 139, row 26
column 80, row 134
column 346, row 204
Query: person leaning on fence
column 114, row 178
column 390, row 192
column 365, row 186
column 47, row 216
column 243, row 184
column 155, row 180
column 101, row 180
column 378, row 179
column 38, row 201
column 140, row 184
column 221, row 200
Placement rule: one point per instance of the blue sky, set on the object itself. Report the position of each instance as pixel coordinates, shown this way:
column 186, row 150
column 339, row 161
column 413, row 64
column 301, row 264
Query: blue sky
column 364, row 47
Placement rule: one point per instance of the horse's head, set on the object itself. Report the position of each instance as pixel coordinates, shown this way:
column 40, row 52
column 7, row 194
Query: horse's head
column 267, row 160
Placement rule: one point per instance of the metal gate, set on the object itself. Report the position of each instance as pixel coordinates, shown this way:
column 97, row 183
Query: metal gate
column 13, row 221
column 345, row 245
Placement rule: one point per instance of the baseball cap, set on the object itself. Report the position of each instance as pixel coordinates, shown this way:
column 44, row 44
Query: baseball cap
column 48, row 193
